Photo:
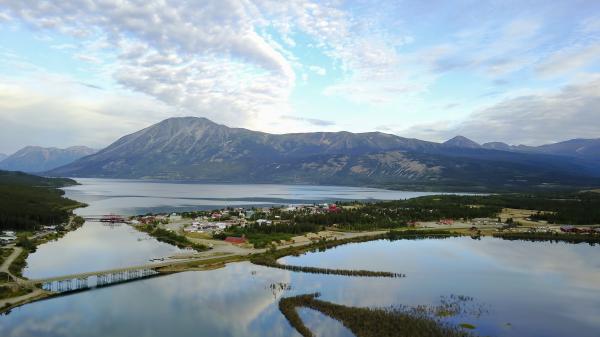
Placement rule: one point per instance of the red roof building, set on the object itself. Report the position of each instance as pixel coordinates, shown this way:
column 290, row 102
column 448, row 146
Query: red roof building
column 235, row 240
column 333, row 208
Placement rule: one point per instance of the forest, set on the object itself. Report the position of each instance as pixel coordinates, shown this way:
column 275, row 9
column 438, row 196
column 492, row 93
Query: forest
column 28, row 202
column 577, row 208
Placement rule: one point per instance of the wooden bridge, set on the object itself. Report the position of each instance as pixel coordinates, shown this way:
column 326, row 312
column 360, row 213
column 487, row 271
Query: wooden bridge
column 95, row 279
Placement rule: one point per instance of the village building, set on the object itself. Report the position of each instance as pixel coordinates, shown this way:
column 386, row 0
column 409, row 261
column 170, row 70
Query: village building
column 236, row 240
column 263, row 222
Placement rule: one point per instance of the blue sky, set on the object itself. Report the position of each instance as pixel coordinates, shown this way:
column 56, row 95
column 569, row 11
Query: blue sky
column 86, row 72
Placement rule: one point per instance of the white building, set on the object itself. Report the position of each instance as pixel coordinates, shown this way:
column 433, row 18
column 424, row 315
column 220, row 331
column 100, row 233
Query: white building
column 262, row 222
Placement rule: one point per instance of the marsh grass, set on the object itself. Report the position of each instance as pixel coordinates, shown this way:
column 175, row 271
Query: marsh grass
column 369, row 322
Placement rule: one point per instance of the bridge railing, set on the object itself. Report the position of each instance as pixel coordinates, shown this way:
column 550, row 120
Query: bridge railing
column 96, row 280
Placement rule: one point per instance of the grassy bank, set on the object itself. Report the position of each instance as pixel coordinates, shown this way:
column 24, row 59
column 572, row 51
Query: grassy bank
column 18, row 264
column 368, row 322
column 270, row 258
column 555, row 237
column 171, row 238
column 10, row 291
column 4, row 253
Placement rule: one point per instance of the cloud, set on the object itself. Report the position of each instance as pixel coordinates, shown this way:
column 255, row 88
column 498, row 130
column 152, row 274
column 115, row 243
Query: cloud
column 546, row 117
column 92, row 86
column 312, row 121
column 240, row 62
column 569, row 59
column 318, row 70
column 206, row 58
column 66, row 113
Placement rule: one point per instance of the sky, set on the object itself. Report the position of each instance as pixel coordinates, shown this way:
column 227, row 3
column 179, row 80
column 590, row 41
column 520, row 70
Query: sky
column 86, row 72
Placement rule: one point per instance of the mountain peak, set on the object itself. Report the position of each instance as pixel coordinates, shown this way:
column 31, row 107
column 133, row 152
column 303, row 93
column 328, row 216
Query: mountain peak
column 187, row 120
column 38, row 159
column 461, row 141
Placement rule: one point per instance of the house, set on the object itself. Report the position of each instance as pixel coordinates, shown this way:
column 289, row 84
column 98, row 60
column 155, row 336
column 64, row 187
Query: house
column 333, row 208
column 262, row 222
column 5, row 239
column 236, row 240
column 446, row 222
column 222, row 225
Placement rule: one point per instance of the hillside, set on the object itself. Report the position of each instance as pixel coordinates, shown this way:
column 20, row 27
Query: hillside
column 588, row 149
column 39, row 159
column 197, row 149
column 28, row 201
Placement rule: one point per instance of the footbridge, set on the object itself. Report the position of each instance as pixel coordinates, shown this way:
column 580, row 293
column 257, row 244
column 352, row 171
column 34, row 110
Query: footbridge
column 96, row 279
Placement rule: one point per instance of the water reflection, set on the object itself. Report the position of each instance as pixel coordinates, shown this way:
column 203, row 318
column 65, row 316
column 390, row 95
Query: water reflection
column 238, row 300
column 141, row 196
column 227, row 302
column 539, row 289
column 93, row 247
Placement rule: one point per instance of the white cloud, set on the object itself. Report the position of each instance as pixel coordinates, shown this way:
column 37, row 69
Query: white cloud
column 238, row 62
column 65, row 113
column 545, row 117
column 569, row 59
column 318, row 70
column 312, row 121
column 205, row 57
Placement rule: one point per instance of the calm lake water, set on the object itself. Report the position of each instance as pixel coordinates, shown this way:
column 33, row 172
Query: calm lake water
column 132, row 197
column 96, row 246
column 515, row 288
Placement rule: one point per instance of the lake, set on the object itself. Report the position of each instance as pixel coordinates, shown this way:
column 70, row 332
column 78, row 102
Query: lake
column 132, row 197
column 513, row 288
column 96, row 246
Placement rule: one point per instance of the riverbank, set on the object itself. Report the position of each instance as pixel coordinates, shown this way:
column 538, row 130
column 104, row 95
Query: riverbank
column 206, row 260
column 18, row 291
column 210, row 260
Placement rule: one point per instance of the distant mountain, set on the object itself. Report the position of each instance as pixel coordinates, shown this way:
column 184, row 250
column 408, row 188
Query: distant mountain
column 191, row 148
column 40, row 159
column 579, row 148
column 462, row 142
column 585, row 148
column 496, row 146
column 3, row 156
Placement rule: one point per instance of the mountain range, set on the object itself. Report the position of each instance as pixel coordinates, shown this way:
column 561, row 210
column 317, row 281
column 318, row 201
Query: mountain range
column 39, row 159
column 192, row 148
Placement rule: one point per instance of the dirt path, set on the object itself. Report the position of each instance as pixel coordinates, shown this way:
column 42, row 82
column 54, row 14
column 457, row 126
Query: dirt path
column 9, row 260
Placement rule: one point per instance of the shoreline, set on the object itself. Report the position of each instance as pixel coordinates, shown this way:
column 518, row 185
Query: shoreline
column 215, row 262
